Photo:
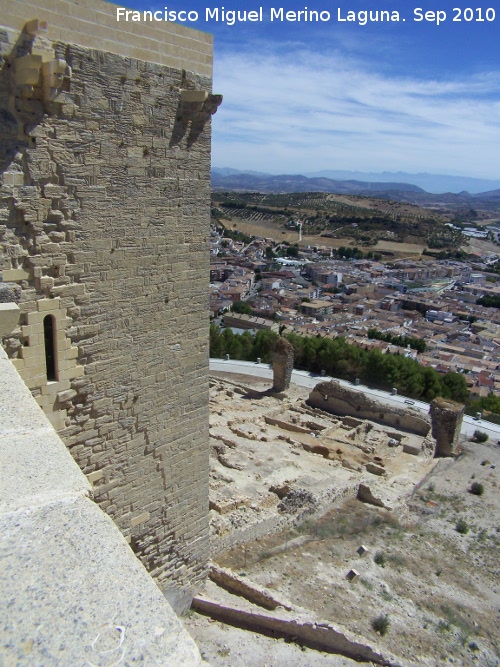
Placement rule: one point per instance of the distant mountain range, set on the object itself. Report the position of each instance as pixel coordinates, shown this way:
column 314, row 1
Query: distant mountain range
column 435, row 183
column 354, row 182
column 268, row 183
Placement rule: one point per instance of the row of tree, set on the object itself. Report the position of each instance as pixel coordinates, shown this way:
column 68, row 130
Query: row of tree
column 489, row 300
column 245, row 346
column 402, row 341
column 340, row 359
column 355, row 253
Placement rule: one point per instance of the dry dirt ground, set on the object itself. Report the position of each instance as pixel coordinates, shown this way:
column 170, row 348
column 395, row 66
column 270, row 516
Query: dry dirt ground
column 480, row 246
column 432, row 569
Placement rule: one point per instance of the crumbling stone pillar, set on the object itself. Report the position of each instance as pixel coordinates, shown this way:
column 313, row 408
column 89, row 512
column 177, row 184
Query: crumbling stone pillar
column 446, row 419
column 282, row 365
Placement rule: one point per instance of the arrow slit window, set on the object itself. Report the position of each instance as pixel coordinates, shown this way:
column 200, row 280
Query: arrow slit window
column 50, row 347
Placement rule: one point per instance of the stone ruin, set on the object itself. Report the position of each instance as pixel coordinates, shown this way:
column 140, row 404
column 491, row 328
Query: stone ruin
column 279, row 458
column 445, row 416
column 446, row 419
column 333, row 397
column 282, row 365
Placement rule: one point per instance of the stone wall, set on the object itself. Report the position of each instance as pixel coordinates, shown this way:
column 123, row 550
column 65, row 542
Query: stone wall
column 93, row 23
column 447, row 418
column 332, row 397
column 282, row 365
column 104, row 223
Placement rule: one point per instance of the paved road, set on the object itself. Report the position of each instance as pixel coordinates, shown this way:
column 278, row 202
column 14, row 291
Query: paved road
column 308, row 380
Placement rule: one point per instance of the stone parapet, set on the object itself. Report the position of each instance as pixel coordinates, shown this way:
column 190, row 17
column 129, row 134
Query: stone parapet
column 73, row 592
column 93, row 24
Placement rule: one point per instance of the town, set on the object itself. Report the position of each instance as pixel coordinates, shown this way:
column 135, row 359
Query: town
column 372, row 303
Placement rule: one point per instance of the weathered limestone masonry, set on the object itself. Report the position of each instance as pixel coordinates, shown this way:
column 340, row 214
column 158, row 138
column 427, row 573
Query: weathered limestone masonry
column 447, row 418
column 282, row 365
column 104, row 221
column 333, row 397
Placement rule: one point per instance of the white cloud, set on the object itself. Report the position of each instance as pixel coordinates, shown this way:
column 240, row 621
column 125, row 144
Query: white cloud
column 297, row 111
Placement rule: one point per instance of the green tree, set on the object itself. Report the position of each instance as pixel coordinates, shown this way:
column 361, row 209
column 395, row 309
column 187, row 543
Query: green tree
column 215, row 341
column 374, row 369
column 264, row 342
column 489, row 301
column 455, row 387
column 432, row 384
column 490, row 403
column 247, row 346
column 241, row 307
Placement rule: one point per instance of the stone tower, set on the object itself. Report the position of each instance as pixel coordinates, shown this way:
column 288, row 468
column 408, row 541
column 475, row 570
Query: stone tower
column 104, row 224
column 282, row 365
column 446, row 418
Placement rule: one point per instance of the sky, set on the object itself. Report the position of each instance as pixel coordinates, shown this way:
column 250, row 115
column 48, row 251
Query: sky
column 299, row 97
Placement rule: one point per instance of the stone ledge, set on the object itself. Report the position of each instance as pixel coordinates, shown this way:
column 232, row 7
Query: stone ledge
column 19, row 412
column 321, row 635
column 73, row 592
column 36, row 470
column 236, row 585
column 9, row 318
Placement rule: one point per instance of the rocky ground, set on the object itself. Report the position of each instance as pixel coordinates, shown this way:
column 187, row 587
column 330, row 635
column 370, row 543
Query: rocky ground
column 429, row 582
column 273, row 457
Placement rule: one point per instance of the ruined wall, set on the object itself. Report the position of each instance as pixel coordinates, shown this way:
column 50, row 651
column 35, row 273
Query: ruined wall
column 332, row 397
column 282, row 365
column 446, row 417
column 104, row 222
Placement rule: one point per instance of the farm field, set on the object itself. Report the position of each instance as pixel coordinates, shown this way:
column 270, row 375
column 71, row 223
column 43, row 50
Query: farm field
column 270, row 230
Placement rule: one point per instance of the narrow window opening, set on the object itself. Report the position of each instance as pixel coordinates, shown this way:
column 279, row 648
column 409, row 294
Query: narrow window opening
column 50, row 348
